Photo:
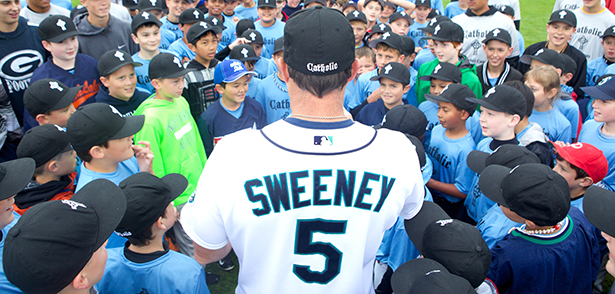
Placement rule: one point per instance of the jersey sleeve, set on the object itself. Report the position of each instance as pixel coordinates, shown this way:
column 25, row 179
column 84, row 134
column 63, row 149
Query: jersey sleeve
column 463, row 174
column 206, row 136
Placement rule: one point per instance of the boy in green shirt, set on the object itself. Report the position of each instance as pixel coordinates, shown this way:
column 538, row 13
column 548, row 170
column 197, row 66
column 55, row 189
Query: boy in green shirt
column 172, row 132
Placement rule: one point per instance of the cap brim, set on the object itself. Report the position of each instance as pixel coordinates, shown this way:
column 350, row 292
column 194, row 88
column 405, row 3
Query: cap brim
column 408, row 273
column 395, row 79
column 67, row 99
column 61, row 37
column 436, row 98
column 109, row 202
column 177, row 183
column 132, row 125
column 476, row 161
column 415, row 227
column 238, row 75
column 596, row 93
column 598, row 206
column 486, row 104
column 177, row 74
column 113, row 69
column 215, row 29
column 490, row 182
column 18, row 174
column 374, row 44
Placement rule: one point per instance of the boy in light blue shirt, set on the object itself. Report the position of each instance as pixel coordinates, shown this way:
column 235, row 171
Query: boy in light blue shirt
column 188, row 18
column 271, row 28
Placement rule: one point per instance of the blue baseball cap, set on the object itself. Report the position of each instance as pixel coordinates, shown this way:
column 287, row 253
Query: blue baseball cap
column 605, row 90
column 229, row 71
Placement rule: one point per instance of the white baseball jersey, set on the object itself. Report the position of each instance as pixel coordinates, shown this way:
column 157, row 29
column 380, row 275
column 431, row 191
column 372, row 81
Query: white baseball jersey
column 570, row 4
column 475, row 30
column 589, row 29
column 512, row 3
column 305, row 204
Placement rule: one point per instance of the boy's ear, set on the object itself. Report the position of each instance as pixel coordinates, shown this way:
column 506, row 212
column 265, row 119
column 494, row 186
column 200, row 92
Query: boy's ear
column 510, row 50
column 514, row 120
column 464, row 114
column 192, row 47
column 52, row 166
column 159, row 225
column 134, row 38
column 80, row 282
column 559, row 71
column 219, row 89
column 406, row 88
column 552, row 93
column 97, row 152
column 42, row 119
column 401, row 58
column 46, row 45
column 155, row 83
column 411, row 57
column 586, row 182
column 104, row 81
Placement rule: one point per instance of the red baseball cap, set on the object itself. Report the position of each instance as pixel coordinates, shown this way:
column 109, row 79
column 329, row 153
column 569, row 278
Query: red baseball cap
column 586, row 157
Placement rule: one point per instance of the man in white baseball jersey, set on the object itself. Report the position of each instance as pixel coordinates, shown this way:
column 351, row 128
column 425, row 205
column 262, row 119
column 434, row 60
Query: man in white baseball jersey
column 479, row 19
column 592, row 20
column 305, row 201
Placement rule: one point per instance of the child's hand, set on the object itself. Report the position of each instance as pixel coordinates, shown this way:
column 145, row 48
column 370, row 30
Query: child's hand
column 237, row 42
column 374, row 96
column 144, row 156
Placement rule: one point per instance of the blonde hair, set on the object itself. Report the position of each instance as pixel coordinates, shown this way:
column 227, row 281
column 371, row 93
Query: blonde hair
column 547, row 77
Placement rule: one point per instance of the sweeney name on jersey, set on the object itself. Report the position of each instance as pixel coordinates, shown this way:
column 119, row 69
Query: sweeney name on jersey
column 288, row 190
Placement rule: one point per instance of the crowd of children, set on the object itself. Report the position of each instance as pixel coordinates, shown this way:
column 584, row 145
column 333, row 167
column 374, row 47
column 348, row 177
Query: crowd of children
column 517, row 144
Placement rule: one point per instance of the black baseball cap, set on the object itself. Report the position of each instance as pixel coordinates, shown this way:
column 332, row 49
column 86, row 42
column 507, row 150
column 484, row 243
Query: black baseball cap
column 266, row 3
column 609, row 32
column 420, row 150
column 533, row 190
column 215, row 21
column 390, row 39
column 56, row 28
column 424, row 275
column 415, row 227
column 113, row 60
column 444, row 71
column 433, row 13
column 308, row 2
column 199, row 29
column 507, row 9
column 47, row 95
column 565, row 16
column 42, row 143
column 253, row 36
column 394, row 71
column 130, row 4
column 147, row 197
column 423, row 3
column 459, row 247
column 243, row 52
column 356, row 15
column 604, row 90
column 191, row 15
column 308, row 36
column 546, row 56
column 54, row 240
column 407, row 119
column 401, row 14
column 142, row 18
column 503, row 98
column 433, row 22
column 498, row 34
column 15, row 175
column 447, row 31
column 456, row 94
column 145, row 5
column 387, row 3
column 166, row 66
column 507, row 155
column 244, row 25
column 379, row 28
column 598, row 206
column 350, row 4
column 278, row 45
column 96, row 123
column 407, row 45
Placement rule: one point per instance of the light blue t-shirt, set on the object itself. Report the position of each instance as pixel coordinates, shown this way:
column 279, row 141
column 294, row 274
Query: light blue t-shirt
column 590, row 133
column 452, row 10
column 270, row 34
column 424, row 56
column 494, row 225
column 182, row 50
column 253, row 87
column 365, row 87
column 435, row 4
column 449, row 161
column 262, row 68
column 554, row 124
column 273, row 96
column 595, row 69
column 570, row 109
column 166, row 38
column 476, row 202
column 228, row 35
column 5, row 285
column 418, row 35
column 124, row 170
column 172, row 27
column 521, row 41
column 168, row 274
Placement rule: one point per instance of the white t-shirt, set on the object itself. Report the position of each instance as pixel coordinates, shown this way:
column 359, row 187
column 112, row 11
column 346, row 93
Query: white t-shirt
column 589, row 29
column 475, row 30
column 570, row 4
column 305, row 204
column 35, row 18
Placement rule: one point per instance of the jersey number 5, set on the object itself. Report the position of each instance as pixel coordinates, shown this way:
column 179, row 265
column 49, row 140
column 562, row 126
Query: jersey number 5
column 305, row 246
